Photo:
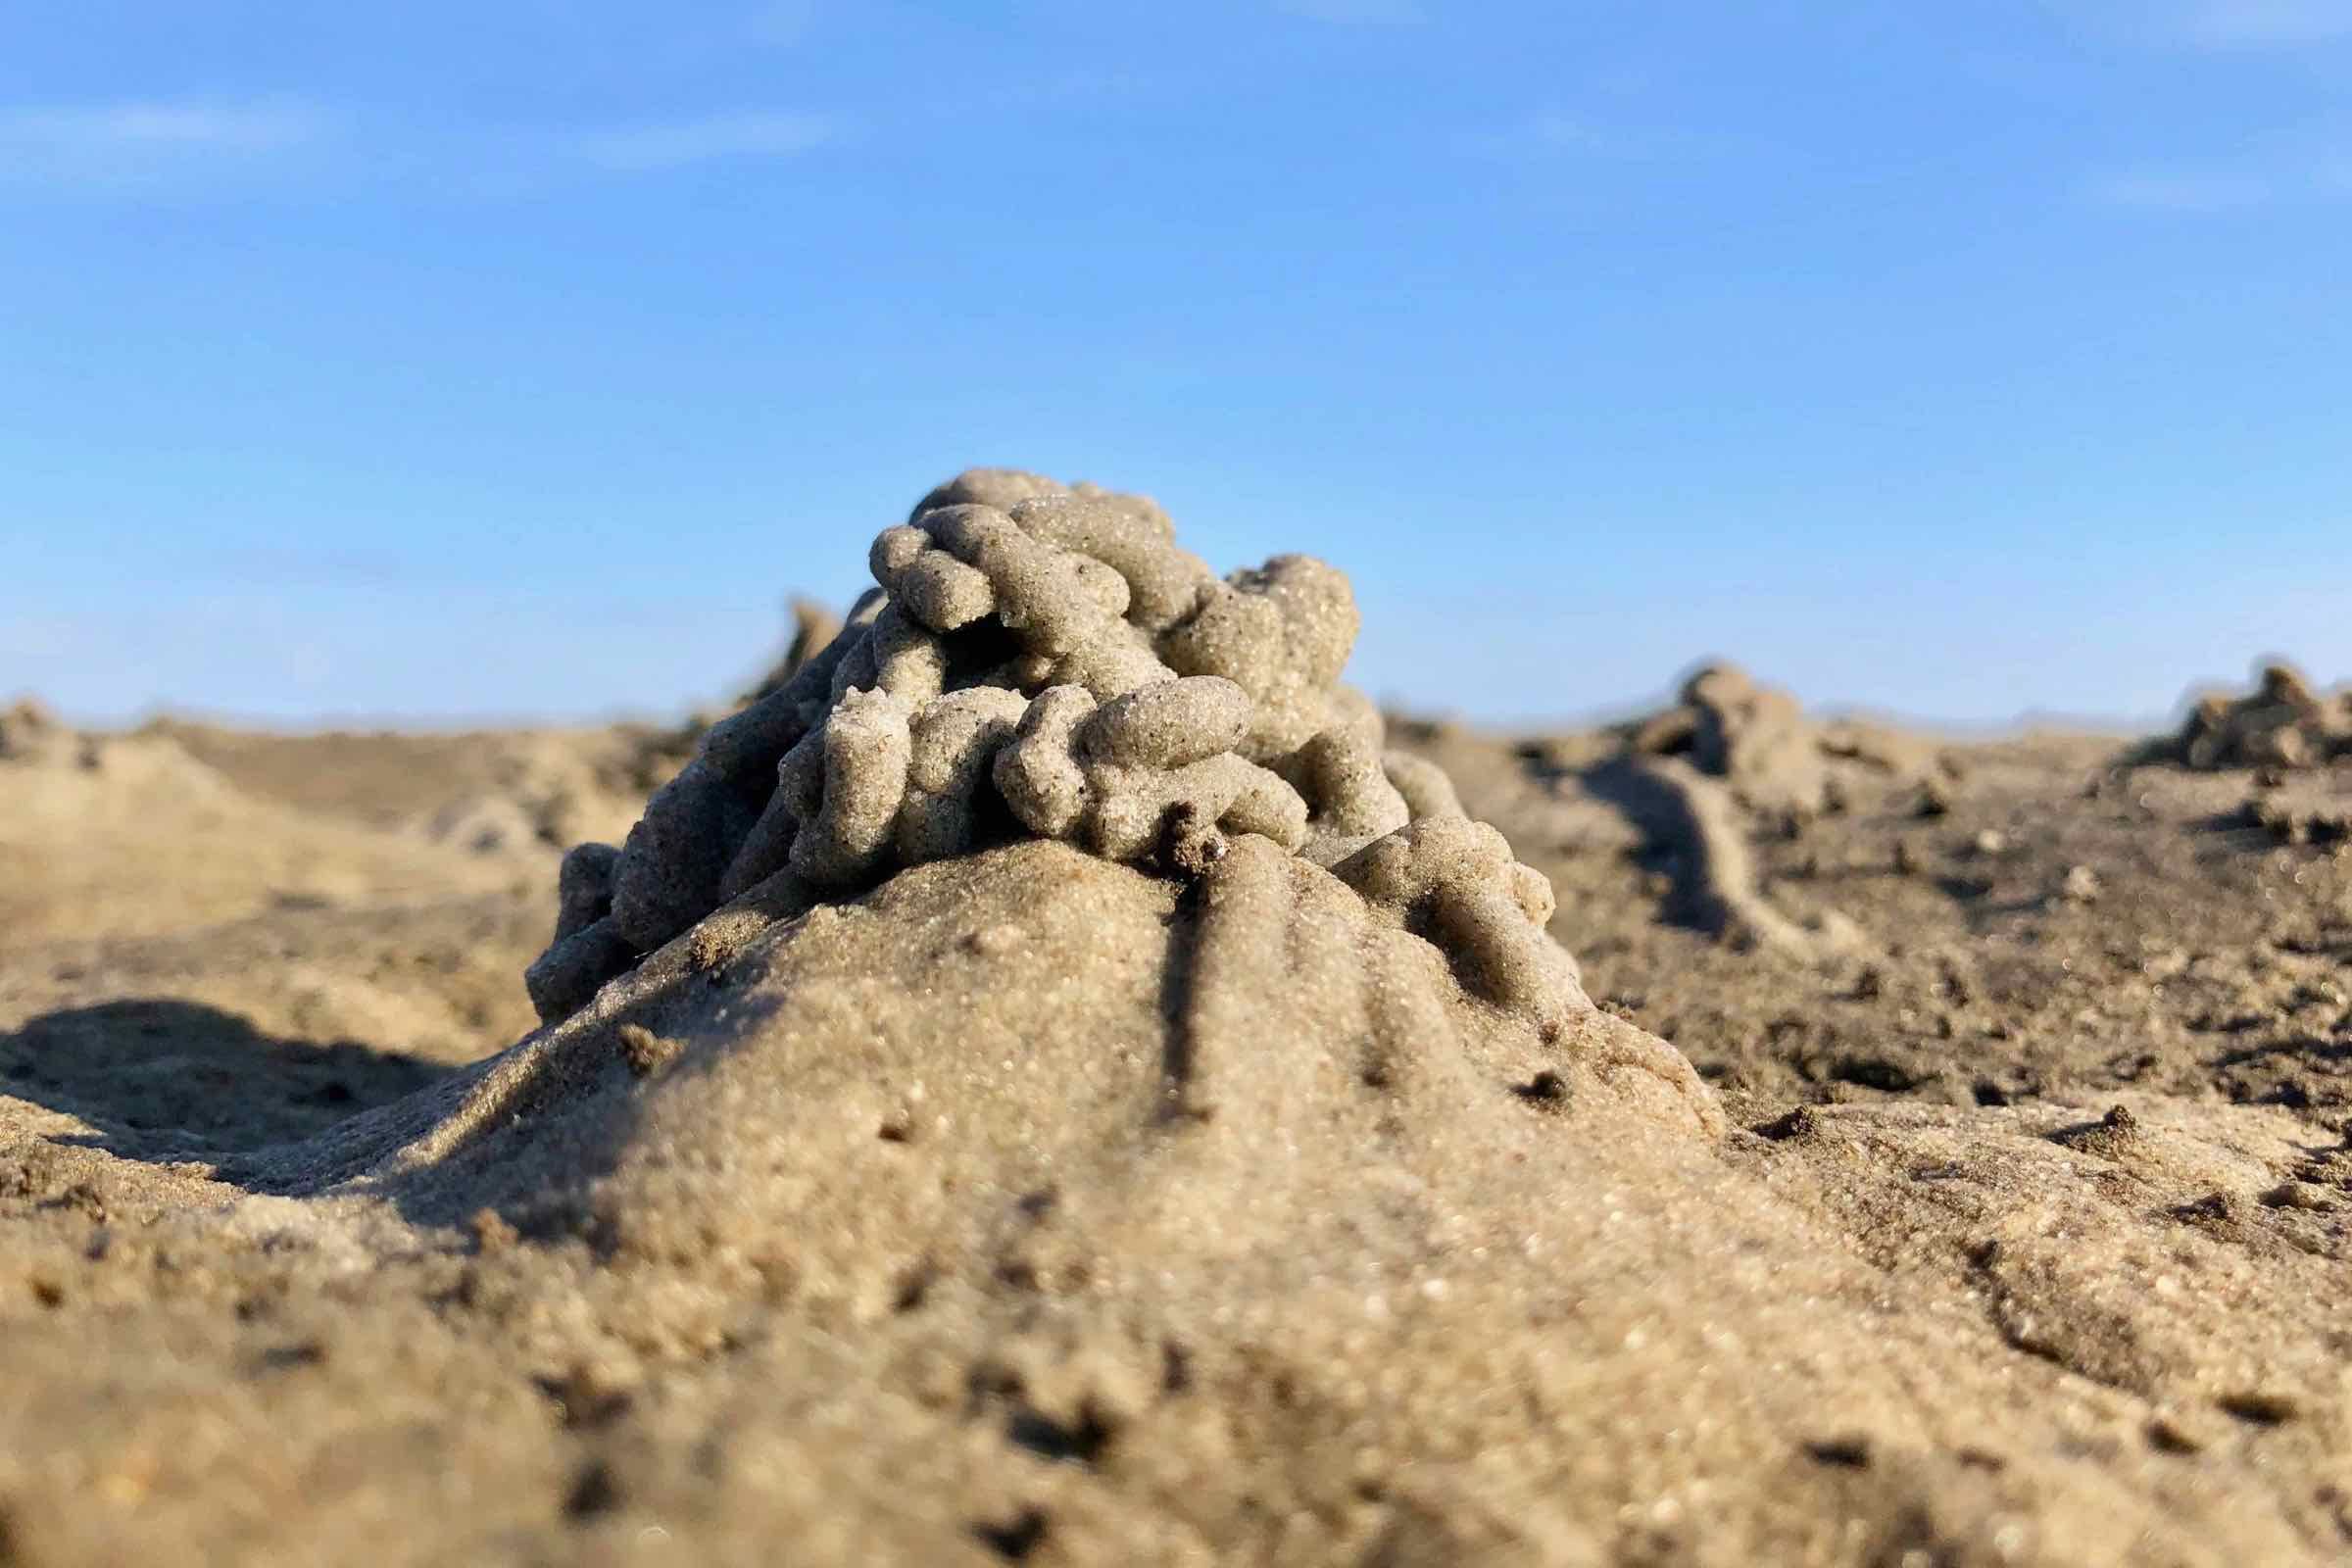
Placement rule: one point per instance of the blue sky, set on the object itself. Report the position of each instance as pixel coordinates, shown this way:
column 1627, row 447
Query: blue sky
column 445, row 361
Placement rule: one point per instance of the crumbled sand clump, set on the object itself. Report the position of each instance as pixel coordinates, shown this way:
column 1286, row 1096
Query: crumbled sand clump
column 814, row 629
column 2283, row 723
column 1771, row 757
column 31, row 732
column 547, row 792
column 1042, row 660
column 2296, row 821
column 24, row 725
column 1698, row 823
column 1732, row 758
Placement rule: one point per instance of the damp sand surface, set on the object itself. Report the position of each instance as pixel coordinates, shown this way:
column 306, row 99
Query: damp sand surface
column 2012, row 1230
column 1034, row 1207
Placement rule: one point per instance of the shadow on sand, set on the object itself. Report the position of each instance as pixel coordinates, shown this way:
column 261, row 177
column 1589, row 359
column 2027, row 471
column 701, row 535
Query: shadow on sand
column 163, row 1079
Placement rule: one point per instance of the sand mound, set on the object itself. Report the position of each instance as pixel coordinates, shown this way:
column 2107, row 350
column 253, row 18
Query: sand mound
column 489, row 791
column 814, row 629
column 2283, row 723
column 1770, row 753
column 31, row 734
column 1032, row 1206
column 1733, row 759
column 1694, row 825
column 1075, row 1014
column 550, row 790
column 130, row 835
column 1055, row 665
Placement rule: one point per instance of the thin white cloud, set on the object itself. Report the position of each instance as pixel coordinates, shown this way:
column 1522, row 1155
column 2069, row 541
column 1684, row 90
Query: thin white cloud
column 1555, row 135
column 199, row 148
column 2181, row 190
column 129, row 140
column 2283, row 179
column 1559, row 133
column 2254, row 23
column 782, row 21
column 673, row 144
column 115, row 127
column 2214, row 27
column 1357, row 12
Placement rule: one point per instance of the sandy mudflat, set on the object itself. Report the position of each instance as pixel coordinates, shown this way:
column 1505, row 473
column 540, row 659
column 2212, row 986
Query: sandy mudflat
column 1942, row 1158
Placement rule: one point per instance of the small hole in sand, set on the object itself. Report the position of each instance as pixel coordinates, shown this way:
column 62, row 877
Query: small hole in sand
column 1802, row 1122
column 914, row 1286
column 1842, row 1453
column 1873, row 1072
column 1015, row 1540
column 1175, row 1367
column 1545, row 1087
column 594, row 1491
column 2260, row 1408
column 1081, row 1441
